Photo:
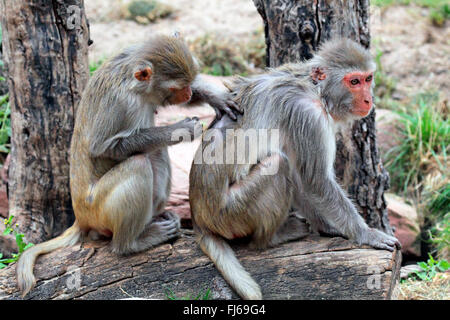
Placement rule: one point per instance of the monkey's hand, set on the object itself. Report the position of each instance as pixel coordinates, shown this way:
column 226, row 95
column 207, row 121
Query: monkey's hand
column 189, row 127
column 379, row 240
column 224, row 104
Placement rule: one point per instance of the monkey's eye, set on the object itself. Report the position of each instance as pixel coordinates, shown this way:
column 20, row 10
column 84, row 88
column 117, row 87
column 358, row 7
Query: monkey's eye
column 369, row 78
column 354, row 82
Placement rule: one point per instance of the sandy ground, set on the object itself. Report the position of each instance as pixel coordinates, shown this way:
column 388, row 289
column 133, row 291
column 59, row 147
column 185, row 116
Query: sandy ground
column 191, row 18
column 415, row 53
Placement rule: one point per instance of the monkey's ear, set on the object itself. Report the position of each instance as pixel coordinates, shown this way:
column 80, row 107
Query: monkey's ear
column 318, row 74
column 144, row 74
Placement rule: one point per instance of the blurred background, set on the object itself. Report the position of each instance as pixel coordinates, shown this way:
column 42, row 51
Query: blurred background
column 410, row 40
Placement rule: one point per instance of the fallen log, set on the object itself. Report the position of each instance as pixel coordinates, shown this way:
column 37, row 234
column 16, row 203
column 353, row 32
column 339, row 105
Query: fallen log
column 313, row 268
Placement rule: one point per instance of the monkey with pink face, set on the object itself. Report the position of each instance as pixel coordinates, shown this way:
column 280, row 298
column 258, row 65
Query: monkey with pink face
column 307, row 102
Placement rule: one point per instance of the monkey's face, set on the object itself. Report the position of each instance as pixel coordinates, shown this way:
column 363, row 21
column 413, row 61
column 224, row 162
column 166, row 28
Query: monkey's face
column 359, row 84
column 180, row 94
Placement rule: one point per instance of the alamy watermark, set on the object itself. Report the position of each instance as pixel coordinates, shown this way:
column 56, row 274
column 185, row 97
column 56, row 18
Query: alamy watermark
column 374, row 280
column 74, row 17
column 73, row 282
column 236, row 146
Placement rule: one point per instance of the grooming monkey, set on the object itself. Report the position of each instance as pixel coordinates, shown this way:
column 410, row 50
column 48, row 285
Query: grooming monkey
column 119, row 164
column 306, row 102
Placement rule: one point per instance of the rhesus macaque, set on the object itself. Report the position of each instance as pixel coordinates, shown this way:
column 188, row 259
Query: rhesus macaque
column 119, row 164
column 306, row 102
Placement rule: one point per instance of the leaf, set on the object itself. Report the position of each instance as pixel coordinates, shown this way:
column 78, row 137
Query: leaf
column 19, row 241
column 431, row 260
column 443, row 265
column 28, row 246
column 7, row 231
column 423, row 265
column 2, row 265
column 4, row 149
column 10, row 260
column 421, row 275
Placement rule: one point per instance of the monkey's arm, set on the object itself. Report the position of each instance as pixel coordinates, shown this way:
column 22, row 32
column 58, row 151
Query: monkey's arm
column 324, row 194
column 121, row 146
column 217, row 96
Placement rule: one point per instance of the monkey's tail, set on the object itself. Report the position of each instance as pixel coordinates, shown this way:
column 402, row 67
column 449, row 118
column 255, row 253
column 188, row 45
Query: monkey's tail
column 24, row 270
column 229, row 266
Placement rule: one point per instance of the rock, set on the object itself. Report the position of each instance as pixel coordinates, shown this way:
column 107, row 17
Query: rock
column 409, row 269
column 406, row 222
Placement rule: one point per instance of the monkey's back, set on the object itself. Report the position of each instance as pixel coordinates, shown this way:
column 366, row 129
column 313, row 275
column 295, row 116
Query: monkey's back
column 267, row 101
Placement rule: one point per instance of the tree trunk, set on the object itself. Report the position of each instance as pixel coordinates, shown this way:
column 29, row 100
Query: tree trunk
column 314, row 268
column 294, row 30
column 45, row 50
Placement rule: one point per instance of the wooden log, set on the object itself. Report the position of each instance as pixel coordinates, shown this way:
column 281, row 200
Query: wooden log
column 314, row 268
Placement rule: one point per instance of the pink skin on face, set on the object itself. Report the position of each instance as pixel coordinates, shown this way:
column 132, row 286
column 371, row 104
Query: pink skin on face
column 180, row 95
column 358, row 83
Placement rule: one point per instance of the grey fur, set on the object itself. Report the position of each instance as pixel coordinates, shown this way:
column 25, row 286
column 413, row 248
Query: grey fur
column 236, row 200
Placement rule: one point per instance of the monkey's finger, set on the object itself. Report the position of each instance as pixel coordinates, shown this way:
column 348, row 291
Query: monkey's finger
column 398, row 244
column 195, row 118
column 229, row 112
column 392, row 241
column 385, row 247
column 218, row 114
column 235, row 106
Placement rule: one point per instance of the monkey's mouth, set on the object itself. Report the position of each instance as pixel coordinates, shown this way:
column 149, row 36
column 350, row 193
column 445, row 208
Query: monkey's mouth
column 361, row 112
column 166, row 101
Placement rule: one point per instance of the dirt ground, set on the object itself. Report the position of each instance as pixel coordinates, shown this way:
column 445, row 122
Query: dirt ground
column 415, row 53
column 191, row 18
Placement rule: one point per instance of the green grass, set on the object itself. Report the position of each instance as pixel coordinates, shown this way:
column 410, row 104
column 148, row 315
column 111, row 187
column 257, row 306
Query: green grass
column 439, row 236
column 418, row 165
column 22, row 245
column 440, row 14
column 439, row 10
column 223, row 56
column 94, row 65
column 201, row 295
column 430, row 268
column 424, row 145
column 384, row 85
column 147, row 11
column 5, row 124
column 422, row 3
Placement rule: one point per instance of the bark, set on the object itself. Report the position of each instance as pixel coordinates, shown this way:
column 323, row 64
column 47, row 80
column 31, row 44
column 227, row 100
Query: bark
column 45, row 50
column 294, row 30
column 315, row 268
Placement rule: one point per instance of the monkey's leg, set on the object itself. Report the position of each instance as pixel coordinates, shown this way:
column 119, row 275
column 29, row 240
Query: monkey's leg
column 315, row 220
column 161, row 179
column 335, row 208
column 262, row 199
column 294, row 228
column 125, row 194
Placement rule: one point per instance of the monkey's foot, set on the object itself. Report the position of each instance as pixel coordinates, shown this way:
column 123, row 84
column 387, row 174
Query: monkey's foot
column 166, row 226
column 294, row 228
column 168, row 216
column 379, row 240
